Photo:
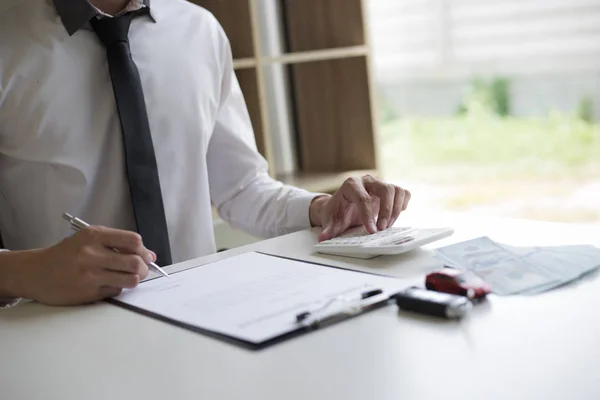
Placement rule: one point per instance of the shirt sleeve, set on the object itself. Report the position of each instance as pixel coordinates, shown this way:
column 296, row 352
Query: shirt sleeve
column 240, row 186
column 6, row 303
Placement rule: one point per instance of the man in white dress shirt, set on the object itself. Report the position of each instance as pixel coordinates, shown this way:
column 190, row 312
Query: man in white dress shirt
column 62, row 135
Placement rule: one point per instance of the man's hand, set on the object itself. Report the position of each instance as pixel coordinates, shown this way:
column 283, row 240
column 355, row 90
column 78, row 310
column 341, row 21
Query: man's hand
column 83, row 268
column 359, row 202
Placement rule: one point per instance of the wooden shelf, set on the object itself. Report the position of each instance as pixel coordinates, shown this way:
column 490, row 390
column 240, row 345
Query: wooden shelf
column 326, row 57
column 317, row 55
column 334, row 120
column 323, row 24
column 241, row 63
column 302, row 56
column 322, row 182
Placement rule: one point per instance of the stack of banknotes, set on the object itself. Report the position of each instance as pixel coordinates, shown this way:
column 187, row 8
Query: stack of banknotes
column 515, row 270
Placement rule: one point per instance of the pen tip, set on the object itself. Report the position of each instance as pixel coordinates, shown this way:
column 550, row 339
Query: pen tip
column 67, row 216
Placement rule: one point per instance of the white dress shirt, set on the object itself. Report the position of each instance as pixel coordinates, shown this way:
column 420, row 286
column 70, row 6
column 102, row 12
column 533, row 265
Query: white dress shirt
column 133, row 5
column 60, row 139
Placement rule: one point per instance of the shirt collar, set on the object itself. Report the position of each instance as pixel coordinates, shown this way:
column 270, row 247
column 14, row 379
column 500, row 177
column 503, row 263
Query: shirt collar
column 75, row 14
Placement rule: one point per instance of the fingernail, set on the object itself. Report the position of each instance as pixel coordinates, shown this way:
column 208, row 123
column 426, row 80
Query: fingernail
column 382, row 223
column 372, row 227
column 323, row 236
column 149, row 257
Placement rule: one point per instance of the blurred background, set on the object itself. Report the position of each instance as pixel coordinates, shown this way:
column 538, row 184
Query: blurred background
column 491, row 106
column 479, row 107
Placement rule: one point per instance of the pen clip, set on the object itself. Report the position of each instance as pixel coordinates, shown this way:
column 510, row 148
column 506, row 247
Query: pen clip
column 366, row 298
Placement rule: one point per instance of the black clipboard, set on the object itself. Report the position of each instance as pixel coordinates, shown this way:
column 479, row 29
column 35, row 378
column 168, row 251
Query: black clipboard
column 302, row 329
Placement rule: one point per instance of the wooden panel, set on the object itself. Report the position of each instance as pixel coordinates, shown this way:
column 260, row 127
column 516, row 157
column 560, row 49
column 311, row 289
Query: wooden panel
column 323, row 24
column 234, row 16
column 333, row 115
column 249, row 85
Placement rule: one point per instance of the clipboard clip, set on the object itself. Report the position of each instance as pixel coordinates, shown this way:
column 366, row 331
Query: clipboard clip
column 368, row 299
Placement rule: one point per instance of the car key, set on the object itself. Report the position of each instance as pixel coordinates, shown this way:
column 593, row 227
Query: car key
column 433, row 303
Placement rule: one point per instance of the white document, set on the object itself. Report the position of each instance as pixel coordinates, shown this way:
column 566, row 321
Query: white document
column 253, row 297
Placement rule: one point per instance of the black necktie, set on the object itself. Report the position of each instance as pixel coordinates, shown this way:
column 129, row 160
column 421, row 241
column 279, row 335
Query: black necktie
column 142, row 170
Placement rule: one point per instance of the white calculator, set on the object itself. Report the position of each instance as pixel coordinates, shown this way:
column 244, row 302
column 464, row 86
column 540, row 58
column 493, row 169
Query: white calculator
column 359, row 243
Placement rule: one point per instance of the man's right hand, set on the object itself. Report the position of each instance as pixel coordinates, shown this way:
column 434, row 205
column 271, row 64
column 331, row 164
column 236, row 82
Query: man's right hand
column 84, row 268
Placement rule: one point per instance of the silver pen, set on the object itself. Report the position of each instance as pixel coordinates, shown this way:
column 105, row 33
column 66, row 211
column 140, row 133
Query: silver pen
column 78, row 224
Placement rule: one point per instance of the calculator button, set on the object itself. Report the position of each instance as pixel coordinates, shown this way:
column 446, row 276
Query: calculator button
column 361, row 237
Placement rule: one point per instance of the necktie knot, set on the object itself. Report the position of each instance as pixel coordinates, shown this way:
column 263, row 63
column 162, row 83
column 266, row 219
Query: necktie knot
column 112, row 30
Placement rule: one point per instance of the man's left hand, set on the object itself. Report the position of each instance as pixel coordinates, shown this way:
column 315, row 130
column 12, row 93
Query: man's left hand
column 359, row 201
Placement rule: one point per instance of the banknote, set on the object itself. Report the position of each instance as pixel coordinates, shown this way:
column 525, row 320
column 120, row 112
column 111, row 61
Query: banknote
column 508, row 273
column 569, row 262
column 511, row 269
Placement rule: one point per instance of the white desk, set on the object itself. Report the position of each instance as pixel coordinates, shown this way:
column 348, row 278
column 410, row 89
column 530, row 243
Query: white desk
column 537, row 347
